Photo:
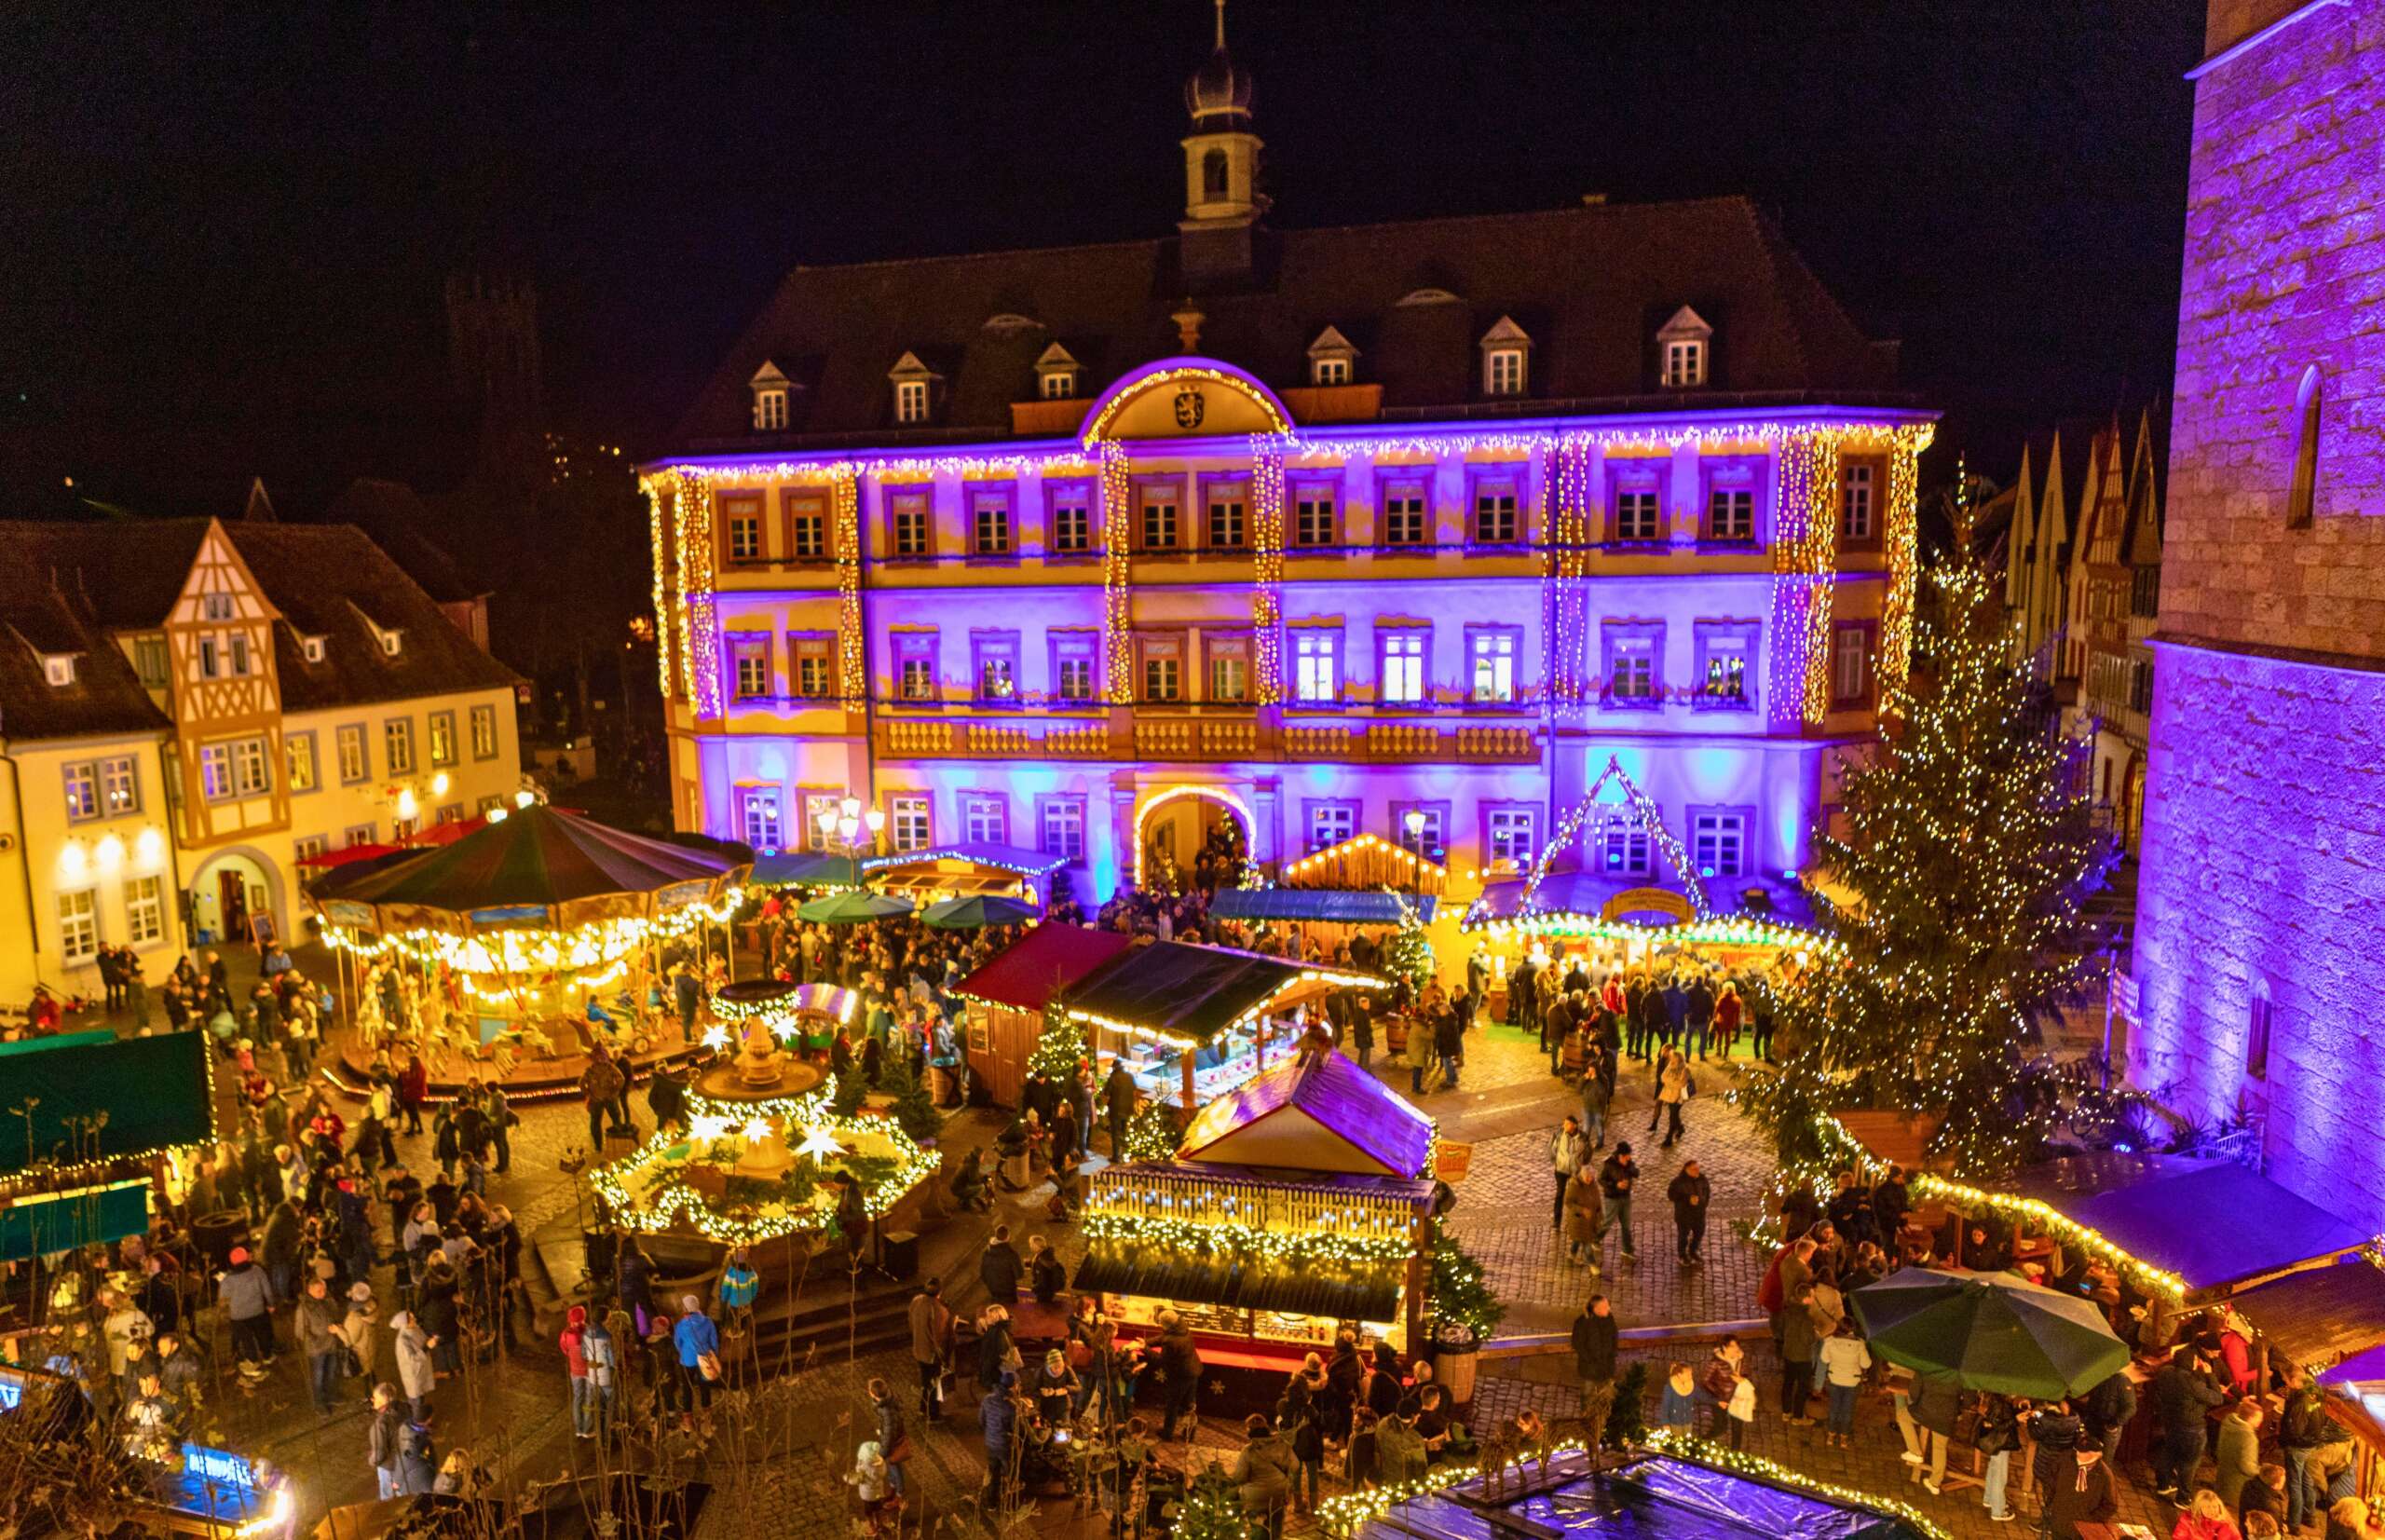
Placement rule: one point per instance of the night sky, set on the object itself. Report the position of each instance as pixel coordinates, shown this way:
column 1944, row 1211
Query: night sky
column 223, row 247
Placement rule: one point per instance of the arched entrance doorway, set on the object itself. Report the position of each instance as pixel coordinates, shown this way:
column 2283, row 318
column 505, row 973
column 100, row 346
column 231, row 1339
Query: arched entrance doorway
column 235, row 896
column 1186, row 834
column 2132, row 802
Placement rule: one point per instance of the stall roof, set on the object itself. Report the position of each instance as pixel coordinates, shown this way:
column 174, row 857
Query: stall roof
column 1586, row 894
column 1654, row 1497
column 1190, row 994
column 806, row 870
column 2321, row 1314
column 997, row 866
column 1318, row 1112
column 1351, row 1291
column 2157, row 1209
column 84, row 1075
column 1026, row 974
column 1332, row 906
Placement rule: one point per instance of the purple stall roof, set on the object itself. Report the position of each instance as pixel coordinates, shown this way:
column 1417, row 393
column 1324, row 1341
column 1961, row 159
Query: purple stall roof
column 1317, row 1113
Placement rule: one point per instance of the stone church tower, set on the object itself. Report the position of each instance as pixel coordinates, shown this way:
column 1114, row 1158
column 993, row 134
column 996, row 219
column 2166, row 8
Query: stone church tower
column 2260, row 934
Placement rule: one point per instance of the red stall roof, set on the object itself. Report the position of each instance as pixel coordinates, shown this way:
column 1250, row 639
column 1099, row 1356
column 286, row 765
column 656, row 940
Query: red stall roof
column 1045, row 960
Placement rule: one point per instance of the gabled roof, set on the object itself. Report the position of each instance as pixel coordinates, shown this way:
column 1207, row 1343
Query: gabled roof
column 1317, row 1112
column 1188, row 993
column 1590, row 285
column 43, row 611
column 395, row 517
column 1046, row 961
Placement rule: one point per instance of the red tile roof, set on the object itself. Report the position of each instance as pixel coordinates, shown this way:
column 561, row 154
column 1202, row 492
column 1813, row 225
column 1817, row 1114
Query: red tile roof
column 1048, row 959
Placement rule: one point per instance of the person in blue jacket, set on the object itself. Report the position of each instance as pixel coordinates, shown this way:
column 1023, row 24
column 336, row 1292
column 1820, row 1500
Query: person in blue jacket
column 696, row 1337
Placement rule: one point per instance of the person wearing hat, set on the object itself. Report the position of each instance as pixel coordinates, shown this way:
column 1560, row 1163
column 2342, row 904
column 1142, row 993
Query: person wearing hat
column 739, row 1286
column 1055, row 1389
column 2080, row 1491
column 1263, row 1471
column 357, row 1328
column 416, row 1374
column 248, row 1304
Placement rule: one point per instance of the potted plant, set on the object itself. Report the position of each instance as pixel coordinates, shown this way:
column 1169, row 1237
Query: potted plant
column 1461, row 1313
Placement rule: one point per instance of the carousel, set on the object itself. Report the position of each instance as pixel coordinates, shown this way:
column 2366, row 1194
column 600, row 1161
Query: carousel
column 510, row 954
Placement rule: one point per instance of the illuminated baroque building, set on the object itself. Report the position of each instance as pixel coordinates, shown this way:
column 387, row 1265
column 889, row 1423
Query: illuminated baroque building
column 1078, row 548
column 2263, row 859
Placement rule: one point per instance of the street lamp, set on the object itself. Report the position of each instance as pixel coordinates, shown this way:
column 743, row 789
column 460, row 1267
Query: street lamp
column 1414, row 823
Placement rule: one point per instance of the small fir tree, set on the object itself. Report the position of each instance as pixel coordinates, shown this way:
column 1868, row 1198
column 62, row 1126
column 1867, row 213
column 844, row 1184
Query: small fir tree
column 1409, row 953
column 1627, row 1420
column 1212, row 1507
column 1461, row 1298
column 1972, row 850
column 1059, row 1047
column 1153, row 1133
column 915, row 1110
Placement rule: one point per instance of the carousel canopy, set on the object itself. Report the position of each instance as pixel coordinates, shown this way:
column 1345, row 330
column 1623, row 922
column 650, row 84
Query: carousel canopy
column 1319, row 1112
column 1177, row 991
column 1329, row 905
column 538, row 856
column 1026, row 974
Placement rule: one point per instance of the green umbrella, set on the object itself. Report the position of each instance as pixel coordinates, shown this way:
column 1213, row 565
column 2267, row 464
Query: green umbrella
column 977, row 913
column 1990, row 1331
column 851, row 908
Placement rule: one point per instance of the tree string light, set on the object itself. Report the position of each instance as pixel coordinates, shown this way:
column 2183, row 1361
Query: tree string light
column 1267, row 560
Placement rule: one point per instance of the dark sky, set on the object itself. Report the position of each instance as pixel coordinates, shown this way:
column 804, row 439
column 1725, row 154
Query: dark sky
column 222, row 244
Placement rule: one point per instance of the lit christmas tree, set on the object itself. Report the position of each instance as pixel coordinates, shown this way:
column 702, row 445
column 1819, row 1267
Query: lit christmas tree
column 1972, row 850
column 1409, row 953
column 1212, row 1508
column 1058, row 1047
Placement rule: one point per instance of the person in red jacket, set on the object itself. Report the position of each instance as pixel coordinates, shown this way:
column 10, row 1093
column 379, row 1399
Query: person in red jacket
column 414, row 1089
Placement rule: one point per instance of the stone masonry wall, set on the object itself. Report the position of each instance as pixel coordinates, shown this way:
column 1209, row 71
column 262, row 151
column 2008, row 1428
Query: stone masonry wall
column 2284, row 268
column 2264, row 862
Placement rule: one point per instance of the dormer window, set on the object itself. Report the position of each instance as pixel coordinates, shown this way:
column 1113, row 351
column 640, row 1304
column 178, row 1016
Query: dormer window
column 1330, row 357
column 1683, row 344
column 58, row 669
column 911, row 380
column 1506, row 348
column 311, row 649
column 215, row 607
column 770, row 388
column 392, row 641
column 1056, row 373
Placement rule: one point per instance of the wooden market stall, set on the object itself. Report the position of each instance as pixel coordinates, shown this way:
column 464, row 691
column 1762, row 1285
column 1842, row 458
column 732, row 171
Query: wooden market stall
column 1190, row 1022
column 1007, row 996
column 1298, row 1204
column 964, row 870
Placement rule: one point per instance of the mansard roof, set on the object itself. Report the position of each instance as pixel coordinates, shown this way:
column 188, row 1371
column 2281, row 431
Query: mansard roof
column 1590, row 285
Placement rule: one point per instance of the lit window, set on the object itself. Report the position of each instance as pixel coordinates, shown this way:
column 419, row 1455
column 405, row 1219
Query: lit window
column 807, row 528
column 215, row 771
column 1637, row 514
column 1850, row 666
column 1159, row 518
column 1403, row 515
column 1631, row 671
column 815, row 833
column 82, row 790
column 391, row 642
column 1718, row 844
column 1726, row 680
column 997, row 667
column 1330, row 371
column 397, row 741
column 1495, row 519
column 145, row 910
column 745, row 534
column 1624, row 850
column 989, row 532
column 911, row 520
column 59, row 670
column 986, row 819
column 1064, row 827
column 78, row 926
column 1072, row 671
column 1071, row 524
column 1403, row 667
column 752, row 660
column 298, row 761
column 1226, row 530
column 1316, row 657
column 2257, row 1039
column 120, row 784
column 1494, row 665
column 483, row 732
column 311, row 649
column 1330, row 822
column 1685, row 363
column 1503, row 372
column 1313, row 517
column 352, row 767
column 251, row 776
column 910, row 401
column 1509, row 832
column 1059, row 384
column 908, row 821
column 918, row 678
column 1431, row 831
column 1730, row 515
column 757, row 816
column 1163, row 671
column 1855, row 522
column 1229, row 671
column 2302, row 493
column 815, row 668
column 770, row 411
column 443, row 738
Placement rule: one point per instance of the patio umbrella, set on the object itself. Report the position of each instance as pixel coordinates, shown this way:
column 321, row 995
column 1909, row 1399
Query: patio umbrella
column 851, row 908
column 1990, row 1331
column 977, row 912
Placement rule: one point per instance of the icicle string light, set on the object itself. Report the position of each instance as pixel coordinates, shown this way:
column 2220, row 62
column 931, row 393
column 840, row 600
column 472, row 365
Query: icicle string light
column 1117, row 634
column 1267, row 550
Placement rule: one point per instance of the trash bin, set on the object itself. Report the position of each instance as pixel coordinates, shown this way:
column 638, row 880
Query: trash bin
column 1454, row 1350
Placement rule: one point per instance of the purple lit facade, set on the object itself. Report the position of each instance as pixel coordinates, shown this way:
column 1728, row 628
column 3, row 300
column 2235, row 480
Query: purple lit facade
column 1434, row 518
column 2261, row 904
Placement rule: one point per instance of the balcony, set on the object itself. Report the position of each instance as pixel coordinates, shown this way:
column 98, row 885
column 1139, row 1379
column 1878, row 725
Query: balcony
column 1214, row 734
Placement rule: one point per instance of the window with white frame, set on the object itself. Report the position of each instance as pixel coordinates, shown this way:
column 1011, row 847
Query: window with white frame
column 907, row 522
column 1856, row 520
column 745, row 515
column 1058, row 384
column 814, row 667
column 1725, row 655
column 1850, row 665
column 78, row 926
column 1639, row 513
column 752, row 656
column 915, row 665
column 910, row 401
column 483, row 732
column 997, row 666
column 770, row 409
column 1633, row 675
column 354, row 834
column 1503, row 372
column 1163, row 668
column 1329, row 370
column 450, row 812
column 1431, row 834
column 1493, row 663
column 1313, row 521
column 1064, row 827
column 985, row 818
column 1718, row 843
column 215, row 771
column 1510, row 834
column 1227, row 527
column 1332, row 823
column 989, row 524
column 1071, row 521
column 1730, row 514
column 1158, row 519
column 1624, row 849
column 757, row 816
column 443, row 738
column 907, row 821
column 1685, row 363
column 252, row 774
column 1496, row 521
column 807, row 525
column 308, row 846
column 815, row 834
column 1072, row 667
column 208, row 665
column 239, row 655
column 349, row 741
column 298, row 761
column 215, row 607
column 397, row 744
column 1404, row 518
column 82, row 790
column 120, row 783
column 145, row 910
column 1403, row 666
column 1316, row 665
column 1229, row 668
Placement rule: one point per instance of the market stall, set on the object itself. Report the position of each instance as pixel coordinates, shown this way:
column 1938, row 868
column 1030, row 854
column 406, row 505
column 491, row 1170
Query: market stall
column 1007, row 996
column 1191, row 1022
column 963, row 869
column 520, row 945
column 1298, row 1204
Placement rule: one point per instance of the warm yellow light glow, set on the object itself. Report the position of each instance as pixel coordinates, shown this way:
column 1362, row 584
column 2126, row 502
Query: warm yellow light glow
column 495, row 815
column 74, row 862
column 408, row 806
column 524, row 797
column 111, row 852
column 715, row 1037
column 149, row 845
column 707, row 1126
column 756, row 1130
column 439, row 784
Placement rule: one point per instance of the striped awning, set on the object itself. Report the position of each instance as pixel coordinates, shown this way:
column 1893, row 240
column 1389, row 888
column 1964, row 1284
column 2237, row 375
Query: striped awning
column 1349, row 1291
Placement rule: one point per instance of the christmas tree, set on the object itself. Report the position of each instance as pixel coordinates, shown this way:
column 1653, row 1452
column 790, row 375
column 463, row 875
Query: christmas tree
column 1971, row 850
column 1212, row 1508
column 1058, row 1047
column 1409, row 953
column 915, row 1110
